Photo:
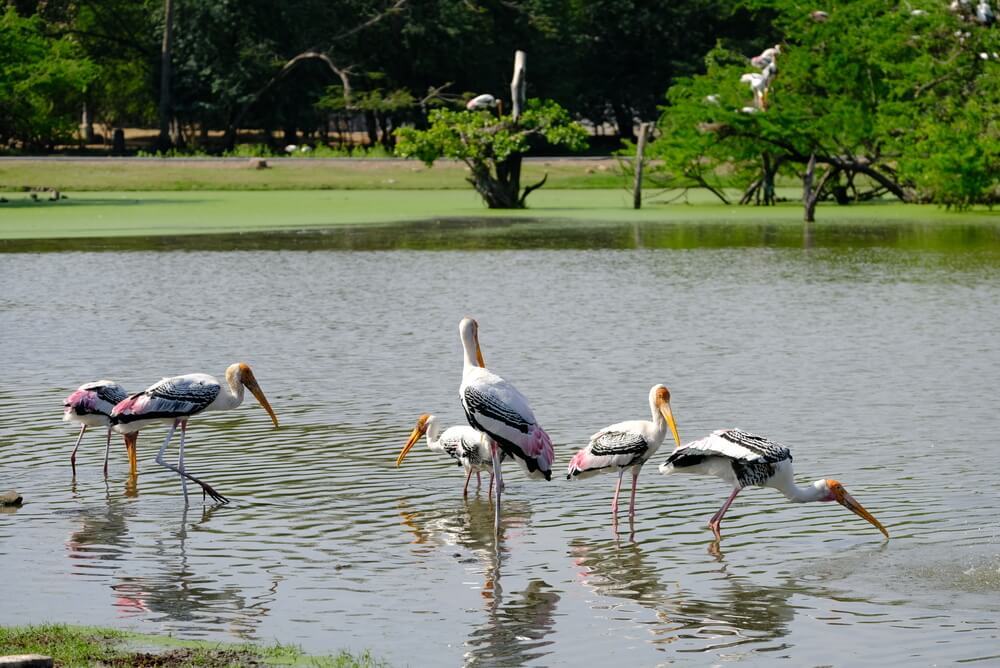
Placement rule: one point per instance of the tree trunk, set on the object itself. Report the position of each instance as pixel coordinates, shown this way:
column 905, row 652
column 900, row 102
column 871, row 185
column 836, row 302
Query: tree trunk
column 166, row 104
column 640, row 149
column 625, row 122
column 814, row 195
column 371, row 127
column 86, row 126
column 518, row 84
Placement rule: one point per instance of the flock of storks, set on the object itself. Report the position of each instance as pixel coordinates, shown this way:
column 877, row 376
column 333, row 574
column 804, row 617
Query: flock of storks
column 501, row 425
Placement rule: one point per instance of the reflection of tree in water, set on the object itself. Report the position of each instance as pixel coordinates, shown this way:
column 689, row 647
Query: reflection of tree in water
column 733, row 612
column 176, row 592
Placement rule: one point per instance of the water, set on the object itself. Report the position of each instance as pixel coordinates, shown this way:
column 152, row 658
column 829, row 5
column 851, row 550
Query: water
column 875, row 361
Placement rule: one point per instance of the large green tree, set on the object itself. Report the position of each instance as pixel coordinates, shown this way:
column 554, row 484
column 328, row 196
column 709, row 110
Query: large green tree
column 872, row 97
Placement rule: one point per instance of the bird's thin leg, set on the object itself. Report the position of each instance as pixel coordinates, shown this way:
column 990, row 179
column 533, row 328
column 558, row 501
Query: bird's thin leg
column 489, row 492
column 479, row 480
column 180, row 461
column 499, row 479
column 631, row 503
column 614, row 501
column 715, row 523
column 465, row 490
column 206, row 488
column 72, row 456
column 107, row 451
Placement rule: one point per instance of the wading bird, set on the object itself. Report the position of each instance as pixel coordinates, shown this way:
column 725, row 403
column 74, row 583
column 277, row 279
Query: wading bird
column 766, row 57
column 626, row 445
column 484, row 101
column 175, row 400
column 743, row 459
column 495, row 407
column 468, row 447
column 90, row 406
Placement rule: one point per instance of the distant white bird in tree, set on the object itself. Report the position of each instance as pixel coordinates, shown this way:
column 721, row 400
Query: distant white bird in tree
column 984, row 13
column 484, row 101
column 175, row 400
column 758, row 84
column 468, row 447
column 626, row 445
column 90, row 406
column 819, row 16
column 744, row 460
column 766, row 57
column 291, row 148
column 712, row 99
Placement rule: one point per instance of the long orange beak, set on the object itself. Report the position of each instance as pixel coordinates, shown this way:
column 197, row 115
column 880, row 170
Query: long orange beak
column 415, row 435
column 849, row 502
column 668, row 415
column 250, row 382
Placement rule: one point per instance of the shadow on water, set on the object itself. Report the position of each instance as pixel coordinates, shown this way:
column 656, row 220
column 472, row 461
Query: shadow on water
column 520, row 233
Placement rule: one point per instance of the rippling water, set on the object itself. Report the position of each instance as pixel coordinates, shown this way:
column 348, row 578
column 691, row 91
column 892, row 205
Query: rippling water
column 877, row 365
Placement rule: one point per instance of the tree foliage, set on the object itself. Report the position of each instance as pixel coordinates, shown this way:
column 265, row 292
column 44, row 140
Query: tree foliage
column 894, row 97
column 42, row 79
column 492, row 146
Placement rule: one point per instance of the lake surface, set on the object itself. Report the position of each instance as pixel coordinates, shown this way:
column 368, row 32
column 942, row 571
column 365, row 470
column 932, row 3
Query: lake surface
column 872, row 352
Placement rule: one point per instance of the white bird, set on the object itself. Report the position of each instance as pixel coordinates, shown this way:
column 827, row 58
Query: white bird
column 749, row 110
column 626, row 445
column 291, row 148
column 819, row 16
column 758, row 83
column 484, row 101
column 984, row 13
column 766, row 57
column 174, row 400
column 467, row 446
column 743, row 460
column 90, row 406
column 712, row 99
column 495, row 407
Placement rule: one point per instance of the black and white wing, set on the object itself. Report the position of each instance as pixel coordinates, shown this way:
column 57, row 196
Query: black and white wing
column 171, row 398
column 752, row 458
column 614, row 447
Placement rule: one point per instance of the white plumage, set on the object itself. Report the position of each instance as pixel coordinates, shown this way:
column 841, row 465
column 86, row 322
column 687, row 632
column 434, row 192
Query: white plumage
column 468, row 447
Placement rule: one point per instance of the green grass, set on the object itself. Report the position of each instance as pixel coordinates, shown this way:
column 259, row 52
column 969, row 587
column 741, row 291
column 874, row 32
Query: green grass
column 87, row 646
column 284, row 174
column 151, row 214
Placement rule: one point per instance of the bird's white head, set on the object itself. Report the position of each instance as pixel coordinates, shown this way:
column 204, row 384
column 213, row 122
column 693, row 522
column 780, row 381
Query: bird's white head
column 832, row 490
column 425, row 423
column 468, row 329
column 241, row 373
column 659, row 399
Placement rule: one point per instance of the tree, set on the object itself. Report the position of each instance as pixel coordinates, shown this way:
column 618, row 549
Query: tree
column 487, row 145
column 42, row 82
column 878, row 99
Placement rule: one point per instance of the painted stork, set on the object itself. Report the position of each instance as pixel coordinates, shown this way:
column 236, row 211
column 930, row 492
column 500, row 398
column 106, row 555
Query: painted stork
column 90, row 406
column 484, row 101
column 494, row 406
column 743, row 459
column 468, row 447
column 766, row 57
column 175, row 400
column 626, row 445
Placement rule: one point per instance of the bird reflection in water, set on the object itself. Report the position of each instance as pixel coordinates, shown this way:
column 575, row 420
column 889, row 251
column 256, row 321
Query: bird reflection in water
column 732, row 612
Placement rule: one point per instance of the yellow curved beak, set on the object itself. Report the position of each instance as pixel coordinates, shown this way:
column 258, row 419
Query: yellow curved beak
column 479, row 353
column 414, row 437
column 251, row 384
column 849, row 502
column 668, row 415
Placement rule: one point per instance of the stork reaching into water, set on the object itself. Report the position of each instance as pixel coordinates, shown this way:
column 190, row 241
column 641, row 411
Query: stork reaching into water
column 467, row 446
column 495, row 407
column 743, row 460
column 626, row 445
column 90, row 406
column 175, row 400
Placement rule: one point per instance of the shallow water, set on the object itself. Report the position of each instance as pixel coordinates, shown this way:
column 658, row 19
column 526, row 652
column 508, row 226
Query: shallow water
column 876, row 362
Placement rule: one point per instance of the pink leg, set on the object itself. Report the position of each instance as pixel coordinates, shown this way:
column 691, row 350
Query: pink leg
column 465, row 490
column 489, row 492
column 479, row 480
column 631, row 503
column 72, row 457
column 715, row 523
column 614, row 501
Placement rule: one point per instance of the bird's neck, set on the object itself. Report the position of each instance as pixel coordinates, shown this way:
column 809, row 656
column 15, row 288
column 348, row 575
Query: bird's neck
column 233, row 389
column 659, row 423
column 796, row 494
column 433, row 434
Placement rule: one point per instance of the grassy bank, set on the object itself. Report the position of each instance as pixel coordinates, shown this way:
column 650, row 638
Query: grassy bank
column 109, row 174
column 151, row 214
column 88, row 646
